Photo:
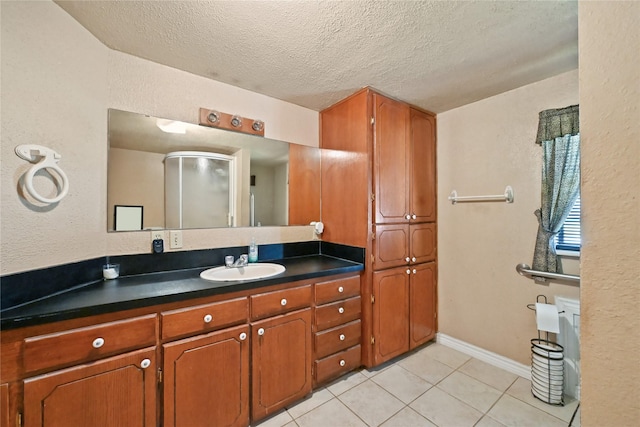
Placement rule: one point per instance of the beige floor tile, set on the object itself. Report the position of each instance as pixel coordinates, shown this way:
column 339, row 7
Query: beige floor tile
column 373, row 404
column 346, row 382
column 371, row 372
column 279, row 419
column 332, row 413
column 521, row 389
column 408, row 418
column 291, row 424
column 445, row 410
column 426, row 368
column 487, row 421
column 446, row 355
column 318, row 397
column 488, row 374
column 474, row 393
column 513, row 412
column 401, row 383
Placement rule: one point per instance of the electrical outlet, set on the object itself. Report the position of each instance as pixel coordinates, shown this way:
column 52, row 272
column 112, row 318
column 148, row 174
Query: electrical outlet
column 157, row 234
column 175, row 239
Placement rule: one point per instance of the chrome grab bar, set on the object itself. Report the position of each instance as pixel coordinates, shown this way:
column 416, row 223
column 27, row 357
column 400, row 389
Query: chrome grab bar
column 525, row 270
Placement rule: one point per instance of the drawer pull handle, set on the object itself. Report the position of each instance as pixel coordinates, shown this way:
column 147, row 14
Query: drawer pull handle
column 342, row 337
column 261, row 331
column 413, row 259
column 341, row 310
column 243, row 336
column 341, row 289
column 283, row 302
column 208, row 318
column 408, row 271
column 413, row 216
column 407, row 259
column 98, row 342
column 342, row 362
column 414, row 271
column 407, row 216
column 145, row 363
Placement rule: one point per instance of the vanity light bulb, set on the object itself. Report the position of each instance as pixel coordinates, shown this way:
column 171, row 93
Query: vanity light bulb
column 257, row 125
column 213, row 117
column 236, row 121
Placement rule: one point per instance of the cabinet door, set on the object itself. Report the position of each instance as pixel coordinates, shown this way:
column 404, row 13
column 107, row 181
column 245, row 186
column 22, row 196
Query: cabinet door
column 391, row 160
column 5, row 418
column 206, row 380
column 422, row 304
column 390, row 313
column 119, row 391
column 422, row 242
column 391, row 246
column 281, row 361
column 423, row 167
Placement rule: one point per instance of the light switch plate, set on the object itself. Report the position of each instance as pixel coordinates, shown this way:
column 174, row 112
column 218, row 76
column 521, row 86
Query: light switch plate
column 175, row 239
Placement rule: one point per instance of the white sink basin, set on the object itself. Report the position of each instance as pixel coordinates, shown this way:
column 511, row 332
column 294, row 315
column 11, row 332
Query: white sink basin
column 255, row 271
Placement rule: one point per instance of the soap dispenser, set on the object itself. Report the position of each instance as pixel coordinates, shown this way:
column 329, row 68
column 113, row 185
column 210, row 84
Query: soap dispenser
column 253, row 250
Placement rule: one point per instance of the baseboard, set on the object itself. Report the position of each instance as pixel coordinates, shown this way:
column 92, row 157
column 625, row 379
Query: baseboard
column 486, row 356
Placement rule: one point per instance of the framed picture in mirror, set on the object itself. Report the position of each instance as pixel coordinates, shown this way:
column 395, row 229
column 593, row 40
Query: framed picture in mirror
column 127, row 217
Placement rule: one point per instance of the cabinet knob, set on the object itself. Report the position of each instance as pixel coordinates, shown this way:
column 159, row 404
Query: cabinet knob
column 413, row 216
column 342, row 362
column 341, row 289
column 243, row 336
column 261, row 331
column 407, row 259
column 98, row 342
column 283, row 302
column 342, row 337
column 145, row 363
column 341, row 310
column 413, row 259
column 208, row 318
column 414, row 271
column 408, row 271
column 407, row 216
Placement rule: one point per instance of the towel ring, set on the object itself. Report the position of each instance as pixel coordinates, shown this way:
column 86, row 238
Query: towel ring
column 44, row 158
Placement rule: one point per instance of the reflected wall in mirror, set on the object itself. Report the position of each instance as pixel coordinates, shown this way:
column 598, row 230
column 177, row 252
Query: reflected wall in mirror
column 191, row 176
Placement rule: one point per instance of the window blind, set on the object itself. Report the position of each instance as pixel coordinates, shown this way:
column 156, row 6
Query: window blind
column 568, row 238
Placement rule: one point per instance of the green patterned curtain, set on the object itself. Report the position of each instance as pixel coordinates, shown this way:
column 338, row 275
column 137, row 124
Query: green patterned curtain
column 559, row 136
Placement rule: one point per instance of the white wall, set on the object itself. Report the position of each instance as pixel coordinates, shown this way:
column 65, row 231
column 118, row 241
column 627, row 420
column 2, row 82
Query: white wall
column 57, row 83
column 482, row 148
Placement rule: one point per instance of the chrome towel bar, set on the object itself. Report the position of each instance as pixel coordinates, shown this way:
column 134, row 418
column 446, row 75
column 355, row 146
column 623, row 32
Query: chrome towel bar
column 525, row 270
column 506, row 197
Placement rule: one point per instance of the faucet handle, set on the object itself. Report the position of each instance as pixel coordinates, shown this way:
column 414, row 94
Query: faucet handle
column 228, row 261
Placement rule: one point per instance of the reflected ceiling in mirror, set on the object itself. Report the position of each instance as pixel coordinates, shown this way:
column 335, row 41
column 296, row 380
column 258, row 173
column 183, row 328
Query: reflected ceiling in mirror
column 195, row 191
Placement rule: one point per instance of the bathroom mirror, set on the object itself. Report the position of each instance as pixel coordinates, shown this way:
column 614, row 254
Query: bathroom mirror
column 191, row 176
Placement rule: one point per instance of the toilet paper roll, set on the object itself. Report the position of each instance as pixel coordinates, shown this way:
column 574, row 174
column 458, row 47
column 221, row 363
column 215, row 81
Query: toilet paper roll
column 547, row 318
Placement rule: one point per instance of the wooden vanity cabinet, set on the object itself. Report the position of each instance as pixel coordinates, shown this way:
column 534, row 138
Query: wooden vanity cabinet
column 337, row 328
column 5, row 411
column 119, row 390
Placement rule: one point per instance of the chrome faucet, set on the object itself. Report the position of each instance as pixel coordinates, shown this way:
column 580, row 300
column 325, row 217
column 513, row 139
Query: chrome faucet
column 242, row 261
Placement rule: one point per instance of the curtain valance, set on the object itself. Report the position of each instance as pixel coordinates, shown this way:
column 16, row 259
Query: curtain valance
column 557, row 123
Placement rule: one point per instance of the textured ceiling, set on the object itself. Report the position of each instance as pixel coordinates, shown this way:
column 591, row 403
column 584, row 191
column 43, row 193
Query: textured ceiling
column 437, row 55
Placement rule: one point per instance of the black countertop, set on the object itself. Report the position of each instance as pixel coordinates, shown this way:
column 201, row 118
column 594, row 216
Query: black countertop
column 142, row 290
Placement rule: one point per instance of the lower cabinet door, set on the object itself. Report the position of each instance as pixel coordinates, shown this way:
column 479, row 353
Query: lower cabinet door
column 281, row 361
column 118, row 391
column 391, row 313
column 206, row 380
column 422, row 304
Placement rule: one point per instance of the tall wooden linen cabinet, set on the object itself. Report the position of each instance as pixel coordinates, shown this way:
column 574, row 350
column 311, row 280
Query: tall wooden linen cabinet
column 379, row 192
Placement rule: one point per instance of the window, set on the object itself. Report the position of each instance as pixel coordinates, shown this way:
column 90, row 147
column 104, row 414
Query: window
column 568, row 239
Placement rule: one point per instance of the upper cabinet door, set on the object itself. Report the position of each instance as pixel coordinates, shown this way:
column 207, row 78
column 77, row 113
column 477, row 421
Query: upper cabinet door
column 423, row 167
column 391, row 160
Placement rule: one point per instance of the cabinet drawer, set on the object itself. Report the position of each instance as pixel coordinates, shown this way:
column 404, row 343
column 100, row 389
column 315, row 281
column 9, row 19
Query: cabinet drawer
column 90, row 343
column 277, row 302
column 337, row 289
column 336, row 339
column 203, row 318
column 337, row 313
column 338, row 364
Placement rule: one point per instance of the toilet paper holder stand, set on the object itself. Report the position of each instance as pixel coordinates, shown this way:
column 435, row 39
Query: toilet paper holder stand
column 542, row 299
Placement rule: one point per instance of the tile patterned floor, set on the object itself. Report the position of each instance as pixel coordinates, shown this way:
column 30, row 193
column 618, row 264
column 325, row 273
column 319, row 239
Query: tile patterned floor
column 433, row 386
